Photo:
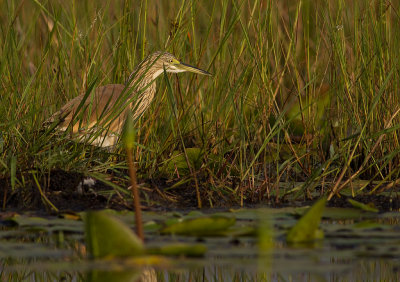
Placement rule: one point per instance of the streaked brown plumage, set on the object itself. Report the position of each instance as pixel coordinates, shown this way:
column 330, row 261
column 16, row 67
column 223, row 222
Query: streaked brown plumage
column 99, row 119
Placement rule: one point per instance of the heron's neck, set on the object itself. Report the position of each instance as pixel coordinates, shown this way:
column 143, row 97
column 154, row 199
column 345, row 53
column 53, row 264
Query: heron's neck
column 144, row 75
column 139, row 80
column 143, row 83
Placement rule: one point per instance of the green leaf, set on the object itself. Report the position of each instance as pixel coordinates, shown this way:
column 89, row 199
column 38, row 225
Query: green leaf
column 106, row 236
column 178, row 161
column 45, row 224
column 371, row 225
column 362, row 206
column 306, row 229
column 179, row 249
column 342, row 213
column 202, row 226
column 129, row 132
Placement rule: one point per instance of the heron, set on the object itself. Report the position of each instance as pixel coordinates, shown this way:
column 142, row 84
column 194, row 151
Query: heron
column 98, row 117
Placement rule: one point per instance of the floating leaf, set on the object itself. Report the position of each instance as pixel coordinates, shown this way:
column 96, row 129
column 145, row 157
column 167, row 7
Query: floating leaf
column 107, row 236
column 201, row 226
column 150, row 226
column 29, row 250
column 190, row 250
column 240, row 231
column 364, row 207
column 46, row 224
column 342, row 213
column 194, row 214
column 371, row 225
column 306, row 229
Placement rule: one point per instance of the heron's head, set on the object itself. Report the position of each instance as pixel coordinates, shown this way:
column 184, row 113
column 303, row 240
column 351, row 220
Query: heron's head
column 161, row 60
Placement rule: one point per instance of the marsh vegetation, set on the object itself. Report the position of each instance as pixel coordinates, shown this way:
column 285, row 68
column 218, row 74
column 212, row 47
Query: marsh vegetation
column 303, row 103
column 304, row 99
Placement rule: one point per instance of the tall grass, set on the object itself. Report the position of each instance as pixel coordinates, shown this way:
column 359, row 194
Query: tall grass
column 303, row 91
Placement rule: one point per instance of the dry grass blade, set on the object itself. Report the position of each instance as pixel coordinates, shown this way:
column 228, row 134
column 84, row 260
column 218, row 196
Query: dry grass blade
column 129, row 138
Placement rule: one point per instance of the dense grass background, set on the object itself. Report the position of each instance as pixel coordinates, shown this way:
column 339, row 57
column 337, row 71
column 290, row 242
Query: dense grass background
column 304, row 92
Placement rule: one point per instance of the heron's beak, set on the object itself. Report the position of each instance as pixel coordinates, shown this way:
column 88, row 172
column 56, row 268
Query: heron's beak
column 190, row 68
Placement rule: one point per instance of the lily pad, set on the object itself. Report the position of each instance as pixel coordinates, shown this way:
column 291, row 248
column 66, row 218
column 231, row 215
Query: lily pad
column 179, row 249
column 372, row 225
column 45, row 224
column 202, row 226
column 342, row 213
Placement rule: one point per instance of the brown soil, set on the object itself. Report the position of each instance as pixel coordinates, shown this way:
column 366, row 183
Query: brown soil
column 61, row 191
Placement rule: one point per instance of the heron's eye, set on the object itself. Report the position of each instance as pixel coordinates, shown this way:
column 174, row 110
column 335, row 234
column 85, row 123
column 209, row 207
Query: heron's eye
column 171, row 61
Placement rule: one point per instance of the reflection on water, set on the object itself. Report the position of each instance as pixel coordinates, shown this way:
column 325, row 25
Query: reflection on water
column 364, row 248
column 368, row 269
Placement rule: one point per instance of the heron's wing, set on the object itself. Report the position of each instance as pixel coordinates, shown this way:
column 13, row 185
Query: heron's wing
column 98, row 108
